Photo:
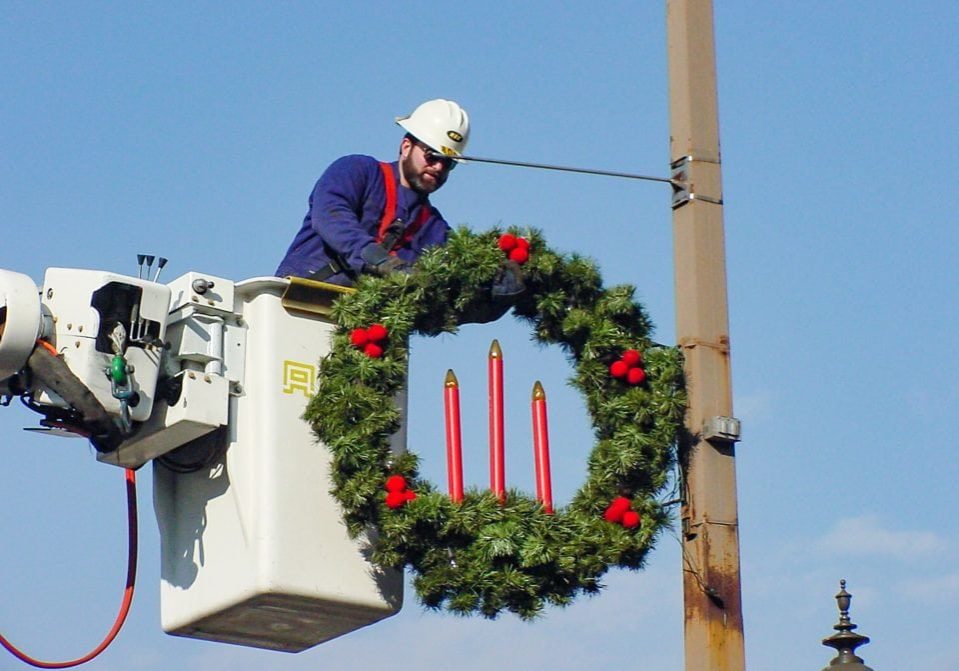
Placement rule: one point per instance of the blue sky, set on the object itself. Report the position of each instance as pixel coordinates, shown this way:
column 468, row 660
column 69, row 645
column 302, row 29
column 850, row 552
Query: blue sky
column 196, row 132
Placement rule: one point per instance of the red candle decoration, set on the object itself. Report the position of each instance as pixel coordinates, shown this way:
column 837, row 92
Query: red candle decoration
column 454, row 437
column 544, row 486
column 497, row 426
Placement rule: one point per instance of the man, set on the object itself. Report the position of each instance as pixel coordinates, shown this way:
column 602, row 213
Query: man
column 371, row 217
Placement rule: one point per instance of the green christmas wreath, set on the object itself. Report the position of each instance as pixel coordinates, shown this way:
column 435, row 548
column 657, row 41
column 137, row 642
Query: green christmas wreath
column 483, row 555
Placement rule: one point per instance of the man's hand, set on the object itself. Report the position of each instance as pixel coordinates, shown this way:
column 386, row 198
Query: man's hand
column 509, row 282
column 377, row 261
column 505, row 290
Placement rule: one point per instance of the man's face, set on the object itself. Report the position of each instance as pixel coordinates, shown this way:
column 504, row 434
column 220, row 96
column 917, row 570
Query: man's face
column 420, row 169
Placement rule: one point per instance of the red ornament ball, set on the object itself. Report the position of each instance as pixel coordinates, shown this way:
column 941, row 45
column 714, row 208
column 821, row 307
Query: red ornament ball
column 395, row 499
column 636, row 376
column 632, row 357
column 614, row 516
column 377, row 333
column 519, row 255
column 615, row 511
column 359, row 337
column 395, row 483
column 507, row 241
column 631, row 519
column 522, row 243
column 410, row 495
column 620, row 503
column 619, row 369
column 373, row 350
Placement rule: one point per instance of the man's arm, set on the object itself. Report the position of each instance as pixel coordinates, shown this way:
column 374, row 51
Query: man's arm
column 336, row 208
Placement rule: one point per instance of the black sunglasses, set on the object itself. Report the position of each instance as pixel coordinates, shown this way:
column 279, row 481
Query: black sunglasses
column 432, row 156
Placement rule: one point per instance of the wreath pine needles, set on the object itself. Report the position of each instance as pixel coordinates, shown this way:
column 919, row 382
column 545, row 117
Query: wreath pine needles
column 481, row 556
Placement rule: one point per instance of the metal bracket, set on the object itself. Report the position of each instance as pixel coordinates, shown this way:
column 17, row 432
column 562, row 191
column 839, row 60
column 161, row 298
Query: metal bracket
column 722, row 429
column 682, row 189
column 312, row 297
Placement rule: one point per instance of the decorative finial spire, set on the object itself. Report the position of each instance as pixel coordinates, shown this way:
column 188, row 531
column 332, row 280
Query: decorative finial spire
column 539, row 393
column 845, row 641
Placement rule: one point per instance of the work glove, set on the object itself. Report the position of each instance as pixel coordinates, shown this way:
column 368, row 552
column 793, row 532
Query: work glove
column 377, row 261
column 508, row 283
column 507, row 286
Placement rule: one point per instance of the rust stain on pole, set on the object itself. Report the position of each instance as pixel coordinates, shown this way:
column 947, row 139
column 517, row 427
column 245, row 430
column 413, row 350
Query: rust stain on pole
column 711, row 575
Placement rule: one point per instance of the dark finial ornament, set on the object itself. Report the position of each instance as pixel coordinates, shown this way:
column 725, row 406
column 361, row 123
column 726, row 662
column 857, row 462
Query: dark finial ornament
column 845, row 640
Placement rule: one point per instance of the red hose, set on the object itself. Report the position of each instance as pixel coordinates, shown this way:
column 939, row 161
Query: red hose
column 47, row 346
column 131, row 485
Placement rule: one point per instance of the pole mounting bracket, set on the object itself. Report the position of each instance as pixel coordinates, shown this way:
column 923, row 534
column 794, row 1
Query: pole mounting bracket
column 683, row 191
column 722, row 430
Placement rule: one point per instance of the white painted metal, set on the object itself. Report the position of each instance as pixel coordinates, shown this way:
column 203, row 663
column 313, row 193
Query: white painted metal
column 254, row 549
column 201, row 329
column 201, row 408
column 217, row 296
column 20, row 325
column 67, row 294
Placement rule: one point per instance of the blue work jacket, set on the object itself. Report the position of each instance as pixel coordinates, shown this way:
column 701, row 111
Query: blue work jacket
column 346, row 207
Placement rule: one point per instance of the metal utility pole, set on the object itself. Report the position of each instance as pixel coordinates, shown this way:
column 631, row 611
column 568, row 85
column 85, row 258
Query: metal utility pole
column 711, row 580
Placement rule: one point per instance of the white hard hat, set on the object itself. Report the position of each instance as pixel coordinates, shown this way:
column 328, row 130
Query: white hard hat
column 441, row 124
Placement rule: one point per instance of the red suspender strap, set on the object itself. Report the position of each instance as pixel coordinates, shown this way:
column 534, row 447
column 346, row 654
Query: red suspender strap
column 389, row 211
